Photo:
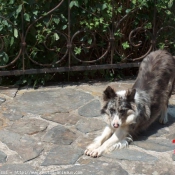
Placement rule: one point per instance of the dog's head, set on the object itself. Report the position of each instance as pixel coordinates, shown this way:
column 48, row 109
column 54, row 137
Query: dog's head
column 119, row 107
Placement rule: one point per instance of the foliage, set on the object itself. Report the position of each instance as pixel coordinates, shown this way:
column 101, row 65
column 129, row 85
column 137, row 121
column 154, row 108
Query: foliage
column 46, row 34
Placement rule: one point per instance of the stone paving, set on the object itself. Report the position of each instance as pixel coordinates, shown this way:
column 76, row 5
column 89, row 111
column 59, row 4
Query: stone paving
column 45, row 131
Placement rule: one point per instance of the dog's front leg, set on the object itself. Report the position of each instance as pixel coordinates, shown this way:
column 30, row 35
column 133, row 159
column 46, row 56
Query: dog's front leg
column 108, row 131
column 116, row 137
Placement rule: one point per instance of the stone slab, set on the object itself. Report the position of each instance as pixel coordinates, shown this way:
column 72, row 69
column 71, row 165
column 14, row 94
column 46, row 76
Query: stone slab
column 91, row 109
column 12, row 116
column 2, row 100
column 51, row 101
column 97, row 167
column 16, row 169
column 87, row 125
column 132, row 155
column 25, row 146
column 62, row 118
column 29, row 126
column 9, row 91
column 3, row 121
column 173, row 157
column 171, row 109
column 146, row 168
column 159, row 145
column 84, row 141
column 59, row 135
column 3, row 157
column 62, row 155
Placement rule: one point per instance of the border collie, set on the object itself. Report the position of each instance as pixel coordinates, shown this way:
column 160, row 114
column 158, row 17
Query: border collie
column 131, row 111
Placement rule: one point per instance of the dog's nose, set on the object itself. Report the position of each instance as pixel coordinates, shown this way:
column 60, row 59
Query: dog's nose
column 116, row 125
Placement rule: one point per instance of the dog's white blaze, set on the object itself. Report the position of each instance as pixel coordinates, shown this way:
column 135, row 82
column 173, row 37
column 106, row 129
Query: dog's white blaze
column 136, row 97
column 116, row 120
column 121, row 93
column 131, row 119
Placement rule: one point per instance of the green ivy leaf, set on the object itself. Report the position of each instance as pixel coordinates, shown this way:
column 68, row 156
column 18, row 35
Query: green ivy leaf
column 64, row 27
column 26, row 17
column 128, row 10
column 170, row 3
column 119, row 9
column 161, row 45
column 56, row 37
column 56, row 20
column 15, row 33
column 11, row 41
column 35, row 12
column 90, row 41
column 104, row 6
column 148, row 25
column 125, row 45
column 74, row 3
column 11, row 2
column 19, row 9
column 77, row 50
column 5, row 58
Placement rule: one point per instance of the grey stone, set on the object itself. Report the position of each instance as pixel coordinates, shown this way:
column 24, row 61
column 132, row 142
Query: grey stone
column 2, row 100
column 171, row 136
column 9, row 91
column 62, row 118
column 165, row 142
column 92, row 109
column 9, row 137
column 29, row 126
column 166, row 173
column 159, row 145
column 152, row 169
column 87, row 125
column 16, row 169
column 173, row 157
column 60, row 135
column 3, row 121
column 27, row 152
column 171, row 110
column 51, row 101
column 25, row 146
column 132, row 155
column 3, row 157
column 13, row 115
column 62, row 155
column 97, row 167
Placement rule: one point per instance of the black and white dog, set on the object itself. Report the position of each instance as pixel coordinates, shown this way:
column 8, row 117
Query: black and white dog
column 133, row 110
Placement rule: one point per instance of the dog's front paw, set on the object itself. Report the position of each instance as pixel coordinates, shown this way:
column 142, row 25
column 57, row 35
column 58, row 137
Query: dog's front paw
column 90, row 148
column 96, row 153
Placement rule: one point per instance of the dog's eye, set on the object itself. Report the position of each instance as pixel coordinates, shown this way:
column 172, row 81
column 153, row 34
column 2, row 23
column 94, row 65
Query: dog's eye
column 112, row 111
column 122, row 111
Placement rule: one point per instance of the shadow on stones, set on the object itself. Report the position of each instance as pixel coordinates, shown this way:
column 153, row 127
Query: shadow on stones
column 157, row 129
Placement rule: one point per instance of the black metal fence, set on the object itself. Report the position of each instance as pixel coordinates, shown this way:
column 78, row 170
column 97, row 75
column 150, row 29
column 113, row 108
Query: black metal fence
column 101, row 53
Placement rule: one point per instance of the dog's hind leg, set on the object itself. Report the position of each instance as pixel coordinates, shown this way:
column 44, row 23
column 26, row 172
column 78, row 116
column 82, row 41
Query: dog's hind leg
column 164, row 116
column 99, row 140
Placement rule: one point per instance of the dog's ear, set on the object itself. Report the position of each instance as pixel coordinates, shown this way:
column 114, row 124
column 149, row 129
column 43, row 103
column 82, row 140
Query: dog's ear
column 130, row 94
column 109, row 93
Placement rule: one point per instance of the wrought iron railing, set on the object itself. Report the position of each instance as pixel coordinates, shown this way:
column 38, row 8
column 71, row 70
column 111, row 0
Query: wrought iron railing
column 99, row 56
